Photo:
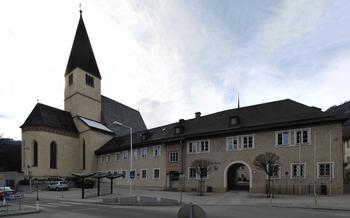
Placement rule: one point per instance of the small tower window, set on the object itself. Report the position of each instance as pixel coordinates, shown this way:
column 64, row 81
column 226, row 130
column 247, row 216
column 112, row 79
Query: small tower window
column 70, row 79
column 234, row 121
column 89, row 80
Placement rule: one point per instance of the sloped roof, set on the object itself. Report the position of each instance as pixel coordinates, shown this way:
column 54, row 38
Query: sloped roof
column 252, row 118
column 96, row 125
column 44, row 115
column 115, row 111
column 82, row 55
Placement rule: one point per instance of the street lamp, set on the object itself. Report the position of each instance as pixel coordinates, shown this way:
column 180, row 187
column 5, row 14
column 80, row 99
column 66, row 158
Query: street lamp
column 30, row 179
column 37, row 194
column 130, row 128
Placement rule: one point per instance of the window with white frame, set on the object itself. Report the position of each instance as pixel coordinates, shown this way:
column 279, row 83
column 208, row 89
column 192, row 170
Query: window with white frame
column 144, row 152
column 325, row 169
column 204, row 146
column 125, row 155
column 302, row 136
column 232, row 143
column 244, row 142
column 204, row 173
column 144, row 174
column 275, row 171
column 135, row 155
column 173, row 157
column 201, row 146
column 192, row 173
column 102, row 159
column 117, row 156
column 297, row 170
column 192, row 147
column 156, row 173
column 283, row 138
column 247, row 141
column 156, row 150
column 108, row 158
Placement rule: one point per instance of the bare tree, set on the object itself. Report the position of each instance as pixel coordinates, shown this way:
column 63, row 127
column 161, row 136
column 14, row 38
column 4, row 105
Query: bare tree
column 203, row 167
column 267, row 162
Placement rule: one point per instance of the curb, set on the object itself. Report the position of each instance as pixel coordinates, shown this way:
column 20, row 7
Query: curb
column 20, row 213
column 279, row 206
column 140, row 204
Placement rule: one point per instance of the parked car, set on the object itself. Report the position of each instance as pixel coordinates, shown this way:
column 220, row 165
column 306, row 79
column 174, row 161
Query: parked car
column 58, row 185
column 6, row 192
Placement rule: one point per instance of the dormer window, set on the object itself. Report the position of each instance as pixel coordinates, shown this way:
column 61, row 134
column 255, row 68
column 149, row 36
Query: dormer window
column 234, row 121
column 70, row 79
column 89, row 80
column 179, row 130
column 145, row 136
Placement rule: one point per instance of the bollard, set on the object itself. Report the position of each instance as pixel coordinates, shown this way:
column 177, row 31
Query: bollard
column 190, row 211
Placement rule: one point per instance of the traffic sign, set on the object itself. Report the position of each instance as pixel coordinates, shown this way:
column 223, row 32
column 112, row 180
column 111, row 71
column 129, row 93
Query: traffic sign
column 132, row 174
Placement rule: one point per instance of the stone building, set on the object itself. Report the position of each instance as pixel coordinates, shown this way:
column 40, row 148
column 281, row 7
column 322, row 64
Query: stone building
column 82, row 138
column 307, row 140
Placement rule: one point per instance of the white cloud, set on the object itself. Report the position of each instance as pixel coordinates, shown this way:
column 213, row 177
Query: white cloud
column 290, row 21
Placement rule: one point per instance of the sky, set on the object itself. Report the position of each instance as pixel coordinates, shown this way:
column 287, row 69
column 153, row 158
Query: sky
column 170, row 59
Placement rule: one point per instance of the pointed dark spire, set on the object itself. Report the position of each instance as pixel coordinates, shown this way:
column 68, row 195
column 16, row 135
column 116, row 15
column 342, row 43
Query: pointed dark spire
column 82, row 55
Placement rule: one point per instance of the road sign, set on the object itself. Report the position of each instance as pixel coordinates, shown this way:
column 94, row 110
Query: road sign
column 132, row 174
column 191, row 211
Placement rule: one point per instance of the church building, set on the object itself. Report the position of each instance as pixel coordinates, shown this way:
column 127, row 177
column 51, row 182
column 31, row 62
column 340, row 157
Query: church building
column 83, row 139
column 58, row 142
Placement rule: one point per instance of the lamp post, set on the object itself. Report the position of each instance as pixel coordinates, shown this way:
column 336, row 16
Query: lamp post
column 30, row 179
column 37, row 194
column 130, row 128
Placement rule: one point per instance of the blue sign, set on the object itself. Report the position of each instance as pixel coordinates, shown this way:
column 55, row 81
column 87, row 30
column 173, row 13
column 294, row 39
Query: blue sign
column 132, row 174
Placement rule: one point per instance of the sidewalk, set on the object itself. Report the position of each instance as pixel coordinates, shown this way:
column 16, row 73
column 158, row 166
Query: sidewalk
column 340, row 202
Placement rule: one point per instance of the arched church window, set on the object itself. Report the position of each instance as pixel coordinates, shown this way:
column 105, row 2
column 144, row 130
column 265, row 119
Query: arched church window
column 35, row 154
column 53, row 155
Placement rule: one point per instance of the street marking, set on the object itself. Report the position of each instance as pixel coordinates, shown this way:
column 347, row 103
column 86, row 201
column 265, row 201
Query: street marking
column 31, row 206
column 68, row 202
column 58, row 204
column 47, row 205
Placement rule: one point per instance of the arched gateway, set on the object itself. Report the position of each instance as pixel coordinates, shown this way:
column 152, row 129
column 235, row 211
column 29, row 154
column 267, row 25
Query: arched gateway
column 238, row 176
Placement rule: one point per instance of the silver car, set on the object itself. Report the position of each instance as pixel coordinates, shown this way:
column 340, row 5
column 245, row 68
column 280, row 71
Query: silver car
column 59, row 185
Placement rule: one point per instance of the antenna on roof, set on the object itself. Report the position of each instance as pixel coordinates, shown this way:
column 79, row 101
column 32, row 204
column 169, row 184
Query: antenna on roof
column 80, row 11
column 238, row 100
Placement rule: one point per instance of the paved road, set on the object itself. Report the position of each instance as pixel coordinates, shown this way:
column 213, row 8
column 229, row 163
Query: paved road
column 66, row 209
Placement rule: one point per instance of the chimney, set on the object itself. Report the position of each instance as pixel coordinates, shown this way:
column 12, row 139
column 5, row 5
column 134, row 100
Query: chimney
column 181, row 120
column 198, row 115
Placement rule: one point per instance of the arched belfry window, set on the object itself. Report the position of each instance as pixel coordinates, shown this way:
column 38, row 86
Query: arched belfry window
column 53, row 155
column 35, row 154
column 83, row 154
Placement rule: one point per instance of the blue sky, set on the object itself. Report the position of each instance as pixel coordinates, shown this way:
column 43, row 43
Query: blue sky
column 170, row 59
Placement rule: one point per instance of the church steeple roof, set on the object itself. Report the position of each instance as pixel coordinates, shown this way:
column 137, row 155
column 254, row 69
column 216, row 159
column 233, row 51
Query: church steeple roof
column 81, row 54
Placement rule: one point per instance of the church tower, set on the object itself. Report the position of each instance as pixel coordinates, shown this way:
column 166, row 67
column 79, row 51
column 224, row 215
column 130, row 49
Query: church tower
column 82, row 93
